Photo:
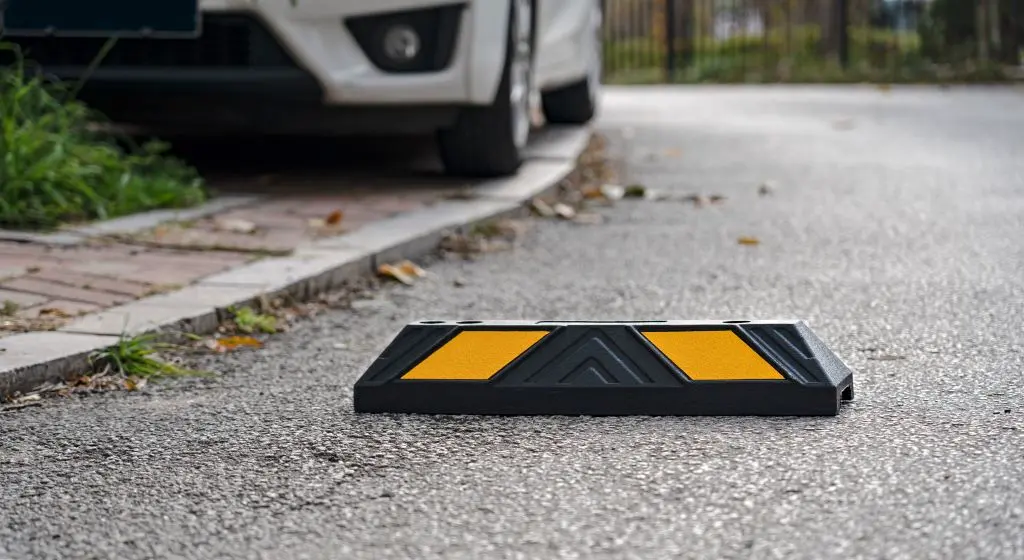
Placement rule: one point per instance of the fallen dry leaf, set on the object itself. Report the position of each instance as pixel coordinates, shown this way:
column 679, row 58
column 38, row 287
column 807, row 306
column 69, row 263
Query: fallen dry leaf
column 234, row 225
column 543, row 209
column 22, row 402
column 396, row 272
column 334, row 218
column 604, row 193
column 410, row 268
column 564, row 211
column 748, row 241
column 613, row 192
column 54, row 312
column 134, row 383
column 716, row 198
column 31, row 397
column 229, row 343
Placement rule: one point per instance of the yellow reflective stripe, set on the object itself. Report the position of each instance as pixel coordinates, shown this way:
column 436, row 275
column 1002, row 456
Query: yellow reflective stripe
column 475, row 355
column 712, row 355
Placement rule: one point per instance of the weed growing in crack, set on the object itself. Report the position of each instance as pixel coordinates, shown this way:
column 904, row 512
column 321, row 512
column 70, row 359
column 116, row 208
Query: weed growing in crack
column 249, row 321
column 139, row 357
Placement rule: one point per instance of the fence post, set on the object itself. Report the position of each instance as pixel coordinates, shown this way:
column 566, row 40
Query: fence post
column 670, row 40
column 843, row 31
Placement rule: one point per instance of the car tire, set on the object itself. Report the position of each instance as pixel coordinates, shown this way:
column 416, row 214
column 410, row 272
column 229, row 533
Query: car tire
column 577, row 103
column 489, row 141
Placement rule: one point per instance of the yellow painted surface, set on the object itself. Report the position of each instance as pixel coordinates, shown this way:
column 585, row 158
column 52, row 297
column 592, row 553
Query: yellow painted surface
column 712, row 355
column 475, row 355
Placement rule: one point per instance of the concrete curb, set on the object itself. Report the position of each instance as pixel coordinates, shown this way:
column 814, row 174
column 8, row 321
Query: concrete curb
column 31, row 359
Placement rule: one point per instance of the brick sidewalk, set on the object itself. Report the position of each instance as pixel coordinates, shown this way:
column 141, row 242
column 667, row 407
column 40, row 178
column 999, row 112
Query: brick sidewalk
column 43, row 287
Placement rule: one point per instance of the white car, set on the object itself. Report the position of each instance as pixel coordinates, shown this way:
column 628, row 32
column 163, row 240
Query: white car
column 469, row 70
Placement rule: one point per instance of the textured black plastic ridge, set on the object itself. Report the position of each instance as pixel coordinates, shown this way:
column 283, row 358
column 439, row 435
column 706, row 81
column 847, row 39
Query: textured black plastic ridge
column 609, row 369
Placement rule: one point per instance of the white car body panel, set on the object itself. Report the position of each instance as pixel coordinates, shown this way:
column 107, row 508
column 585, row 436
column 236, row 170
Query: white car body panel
column 565, row 31
column 313, row 33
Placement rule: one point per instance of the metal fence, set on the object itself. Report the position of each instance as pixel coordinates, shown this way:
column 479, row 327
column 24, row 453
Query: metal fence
column 649, row 41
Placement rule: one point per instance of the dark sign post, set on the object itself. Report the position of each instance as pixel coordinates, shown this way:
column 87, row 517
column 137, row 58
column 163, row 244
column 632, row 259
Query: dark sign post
column 101, row 18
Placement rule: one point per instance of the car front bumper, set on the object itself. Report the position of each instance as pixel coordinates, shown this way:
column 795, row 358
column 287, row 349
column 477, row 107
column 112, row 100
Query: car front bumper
column 316, row 50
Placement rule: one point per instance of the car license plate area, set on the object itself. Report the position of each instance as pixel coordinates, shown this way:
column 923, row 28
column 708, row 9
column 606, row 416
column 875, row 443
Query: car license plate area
column 176, row 19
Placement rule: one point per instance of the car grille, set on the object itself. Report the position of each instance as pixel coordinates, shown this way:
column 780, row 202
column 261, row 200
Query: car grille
column 227, row 41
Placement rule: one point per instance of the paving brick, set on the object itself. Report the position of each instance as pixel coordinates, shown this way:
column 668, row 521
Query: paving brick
column 99, row 283
column 29, row 263
column 394, row 205
column 266, row 218
column 123, row 249
column 272, row 240
column 11, row 271
column 23, row 249
column 90, row 254
column 214, row 268
column 361, row 215
column 21, row 299
column 118, row 269
column 321, row 208
column 59, row 291
column 72, row 308
column 188, row 258
column 172, row 274
column 199, row 267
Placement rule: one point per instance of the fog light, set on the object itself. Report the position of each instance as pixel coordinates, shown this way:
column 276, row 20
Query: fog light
column 412, row 41
column 401, row 43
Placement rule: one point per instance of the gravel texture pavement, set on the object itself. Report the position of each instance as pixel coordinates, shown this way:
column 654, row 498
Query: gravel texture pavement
column 893, row 227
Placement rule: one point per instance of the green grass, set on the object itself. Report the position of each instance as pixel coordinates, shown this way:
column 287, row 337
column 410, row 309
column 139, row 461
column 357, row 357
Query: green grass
column 57, row 166
column 139, row 356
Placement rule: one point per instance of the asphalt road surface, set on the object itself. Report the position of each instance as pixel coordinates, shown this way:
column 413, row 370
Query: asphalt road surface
column 895, row 229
